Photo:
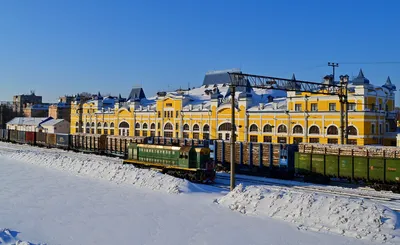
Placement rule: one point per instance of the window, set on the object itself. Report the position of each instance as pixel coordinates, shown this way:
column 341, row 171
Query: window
column 137, row 126
column 196, row 127
column 159, row 114
column 372, row 128
column 267, row 128
column 372, row 107
column 152, row 133
column 253, row 138
column 268, row 139
column 332, row 130
column 144, row 133
column 185, row 135
column 253, row 128
column 168, row 126
column 351, row 130
column 282, row 140
column 177, row 114
column 314, row 107
column 380, row 128
column 186, row 127
column 196, row 135
column 352, row 141
column 153, row 126
column 177, row 126
column 225, row 127
column 314, row 140
column 387, row 108
column 332, row 141
column 206, row 136
column 111, row 128
column 168, row 134
column 387, row 127
column 282, row 129
column 351, row 106
column 297, row 107
column 332, row 106
column 165, row 114
column 168, row 105
column 206, row 128
column 298, row 129
column 314, row 130
column 144, row 125
column 137, row 132
column 380, row 107
column 220, row 136
column 297, row 140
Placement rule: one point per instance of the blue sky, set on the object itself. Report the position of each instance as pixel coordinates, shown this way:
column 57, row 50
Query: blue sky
column 64, row 47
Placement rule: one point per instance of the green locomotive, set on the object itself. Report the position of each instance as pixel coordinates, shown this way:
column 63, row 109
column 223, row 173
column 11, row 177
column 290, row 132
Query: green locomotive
column 188, row 162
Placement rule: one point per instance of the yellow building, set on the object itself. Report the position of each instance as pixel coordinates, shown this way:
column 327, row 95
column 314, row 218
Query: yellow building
column 261, row 115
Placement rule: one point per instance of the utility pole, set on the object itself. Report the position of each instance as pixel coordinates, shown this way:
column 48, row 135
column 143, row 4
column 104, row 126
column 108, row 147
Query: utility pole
column 233, row 136
column 334, row 65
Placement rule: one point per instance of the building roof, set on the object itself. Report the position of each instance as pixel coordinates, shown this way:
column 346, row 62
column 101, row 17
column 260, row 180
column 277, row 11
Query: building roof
column 51, row 122
column 136, row 94
column 360, row 79
column 388, row 84
column 29, row 121
column 218, row 77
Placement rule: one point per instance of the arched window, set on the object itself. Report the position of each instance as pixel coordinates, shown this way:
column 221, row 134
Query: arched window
column 282, row 129
column 153, row 126
column 77, row 127
column 92, row 125
column 87, row 130
column 112, row 128
column 253, row 128
column 137, row 125
column 186, row 127
column 267, row 128
column 314, row 130
column 351, row 130
column 77, row 124
column 123, row 129
column 332, row 130
column 196, row 127
column 105, row 126
column 206, row 128
column 123, row 125
column 144, row 125
column 98, row 128
column 297, row 129
column 225, row 127
column 168, row 126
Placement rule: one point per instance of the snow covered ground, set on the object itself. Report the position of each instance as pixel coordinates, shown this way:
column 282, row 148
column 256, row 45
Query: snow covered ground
column 97, row 200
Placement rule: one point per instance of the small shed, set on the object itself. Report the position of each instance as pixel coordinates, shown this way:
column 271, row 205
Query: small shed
column 55, row 126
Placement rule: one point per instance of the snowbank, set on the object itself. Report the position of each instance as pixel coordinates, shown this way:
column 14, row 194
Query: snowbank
column 107, row 168
column 346, row 216
column 9, row 237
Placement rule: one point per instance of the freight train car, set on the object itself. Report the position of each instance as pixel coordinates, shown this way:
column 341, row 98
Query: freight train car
column 192, row 163
column 263, row 159
column 378, row 167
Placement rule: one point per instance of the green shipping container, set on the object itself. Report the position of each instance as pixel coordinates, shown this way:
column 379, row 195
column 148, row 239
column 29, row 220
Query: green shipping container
column 303, row 163
column 360, row 168
column 331, row 165
column 345, row 166
column 376, row 169
column 318, row 164
column 393, row 170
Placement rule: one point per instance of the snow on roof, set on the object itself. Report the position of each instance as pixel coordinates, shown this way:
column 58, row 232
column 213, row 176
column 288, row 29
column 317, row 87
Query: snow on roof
column 52, row 122
column 30, row 121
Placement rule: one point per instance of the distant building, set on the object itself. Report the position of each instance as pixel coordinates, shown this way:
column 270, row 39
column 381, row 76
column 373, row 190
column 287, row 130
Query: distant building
column 39, row 124
column 36, row 110
column 55, row 126
column 29, row 124
column 61, row 110
column 21, row 101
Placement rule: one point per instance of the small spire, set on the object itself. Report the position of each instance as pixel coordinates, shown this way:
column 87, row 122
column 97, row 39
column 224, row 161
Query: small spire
column 293, row 77
column 388, row 81
column 119, row 97
column 361, row 74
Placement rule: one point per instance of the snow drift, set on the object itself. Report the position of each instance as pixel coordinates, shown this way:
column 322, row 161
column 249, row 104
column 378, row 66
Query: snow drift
column 346, row 216
column 107, row 168
column 9, row 237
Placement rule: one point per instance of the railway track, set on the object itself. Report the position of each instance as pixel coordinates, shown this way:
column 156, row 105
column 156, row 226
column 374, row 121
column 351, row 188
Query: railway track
column 387, row 199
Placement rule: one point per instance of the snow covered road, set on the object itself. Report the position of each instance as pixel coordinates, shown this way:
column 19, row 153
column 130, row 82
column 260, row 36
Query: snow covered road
column 54, row 207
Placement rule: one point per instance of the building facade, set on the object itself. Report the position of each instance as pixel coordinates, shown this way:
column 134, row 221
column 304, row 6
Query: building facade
column 61, row 110
column 261, row 115
column 21, row 101
column 36, row 110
